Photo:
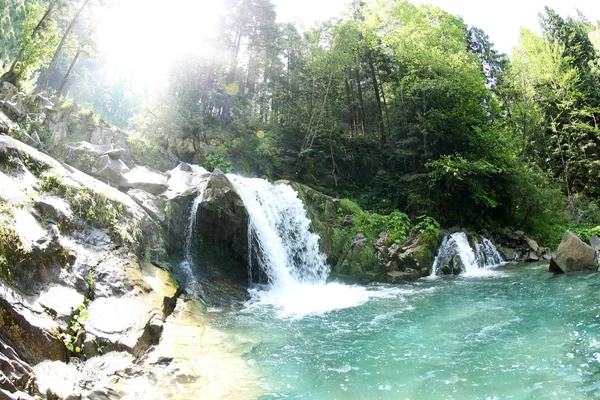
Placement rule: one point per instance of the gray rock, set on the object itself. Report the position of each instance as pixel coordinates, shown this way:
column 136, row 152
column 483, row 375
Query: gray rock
column 110, row 169
column 116, row 154
column 573, row 255
column 144, row 178
column 15, row 374
column 6, row 124
column 595, row 242
column 30, row 330
column 83, row 155
column 150, row 203
column 532, row 244
column 507, row 253
column 55, row 208
column 56, row 379
column 222, row 221
column 532, row 257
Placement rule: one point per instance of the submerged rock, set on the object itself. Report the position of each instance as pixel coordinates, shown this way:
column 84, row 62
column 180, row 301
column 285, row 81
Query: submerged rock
column 573, row 255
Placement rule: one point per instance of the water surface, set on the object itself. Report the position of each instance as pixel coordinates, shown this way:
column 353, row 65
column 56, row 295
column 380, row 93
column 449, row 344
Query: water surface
column 518, row 333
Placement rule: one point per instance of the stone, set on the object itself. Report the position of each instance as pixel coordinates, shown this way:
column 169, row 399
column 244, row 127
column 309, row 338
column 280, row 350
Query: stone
column 63, row 301
column 150, row 203
column 28, row 328
column 15, row 374
column 507, row 253
column 533, row 245
column 573, row 255
column 222, row 221
column 110, row 169
column 594, row 242
column 357, row 259
column 532, row 257
column 116, row 154
column 55, row 208
column 6, row 124
column 183, row 178
column 56, row 379
column 83, row 155
column 125, row 322
column 403, row 276
column 146, row 179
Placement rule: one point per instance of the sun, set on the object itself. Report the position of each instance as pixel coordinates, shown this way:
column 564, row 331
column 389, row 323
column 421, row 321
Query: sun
column 144, row 38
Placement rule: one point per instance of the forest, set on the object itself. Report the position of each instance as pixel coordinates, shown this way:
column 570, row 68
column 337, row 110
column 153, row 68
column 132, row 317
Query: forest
column 399, row 107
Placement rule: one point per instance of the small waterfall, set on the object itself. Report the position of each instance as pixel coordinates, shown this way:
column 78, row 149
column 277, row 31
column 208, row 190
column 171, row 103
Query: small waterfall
column 456, row 255
column 279, row 235
column 188, row 261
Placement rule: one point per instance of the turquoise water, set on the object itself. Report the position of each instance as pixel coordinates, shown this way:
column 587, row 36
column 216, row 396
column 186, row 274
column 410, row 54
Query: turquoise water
column 520, row 334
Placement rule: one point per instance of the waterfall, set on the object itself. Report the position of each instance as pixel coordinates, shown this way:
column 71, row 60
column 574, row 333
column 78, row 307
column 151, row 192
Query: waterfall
column 279, row 234
column 188, row 261
column 455, row 254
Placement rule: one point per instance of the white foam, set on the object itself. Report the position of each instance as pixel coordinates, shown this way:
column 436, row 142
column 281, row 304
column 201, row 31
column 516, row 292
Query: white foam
column 304, row 299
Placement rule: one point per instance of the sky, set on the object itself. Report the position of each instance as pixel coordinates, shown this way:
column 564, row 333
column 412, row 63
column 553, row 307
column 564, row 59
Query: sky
column 142, row 38
column 501, row 20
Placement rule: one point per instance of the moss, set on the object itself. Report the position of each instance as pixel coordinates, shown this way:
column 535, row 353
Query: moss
column 96, row 209
column 12, row 251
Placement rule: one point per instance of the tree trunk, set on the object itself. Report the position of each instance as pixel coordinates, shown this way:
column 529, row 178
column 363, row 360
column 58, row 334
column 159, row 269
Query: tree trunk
column 361, row 104
column 66, row 78
column 12, row 75
column 380, row 127
column 48, row 73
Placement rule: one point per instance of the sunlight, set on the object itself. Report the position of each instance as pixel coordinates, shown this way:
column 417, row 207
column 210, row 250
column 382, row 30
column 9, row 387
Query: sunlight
column 145, row 38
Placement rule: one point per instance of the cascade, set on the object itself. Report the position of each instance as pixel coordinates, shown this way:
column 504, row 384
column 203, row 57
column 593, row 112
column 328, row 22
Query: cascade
column 188, row 261
column 280, row 240
column 484, row 255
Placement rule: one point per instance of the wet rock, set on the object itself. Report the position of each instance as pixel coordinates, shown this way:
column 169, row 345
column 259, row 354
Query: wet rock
column 403, row 276
column 357, row 259
column 222, row 222
column 532, row 257
column 110, row 169
column 508, row 253
column 146, row 179
column 177, row 212
column 573, row 255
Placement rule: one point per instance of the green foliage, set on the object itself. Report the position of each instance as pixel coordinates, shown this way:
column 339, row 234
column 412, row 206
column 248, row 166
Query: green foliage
column 95, row 208
column 12, row 250
column 143, row 151
column 219, row 159
column 72, row 338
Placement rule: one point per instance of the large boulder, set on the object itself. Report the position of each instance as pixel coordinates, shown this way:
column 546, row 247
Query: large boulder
column 573, row 255
column 146, row 179
column 112, row 170
column 222, row 222
column 83, row 155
